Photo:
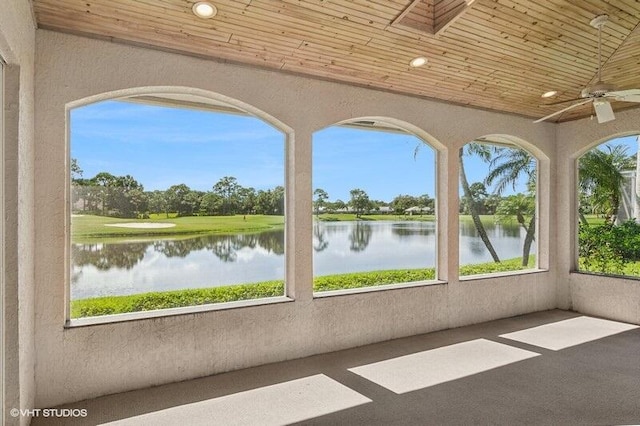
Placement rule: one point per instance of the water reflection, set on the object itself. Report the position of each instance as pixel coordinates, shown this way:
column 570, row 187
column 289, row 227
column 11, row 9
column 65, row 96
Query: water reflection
column 106, row 269
column 360, row 236
column 320, row 241
column 507, row 239
column 373, row 245
column 106, row 256
column 213, row 260
column 123, row 255
column 412, row 229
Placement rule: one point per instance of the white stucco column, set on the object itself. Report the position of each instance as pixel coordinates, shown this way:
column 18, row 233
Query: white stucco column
column 299, row 219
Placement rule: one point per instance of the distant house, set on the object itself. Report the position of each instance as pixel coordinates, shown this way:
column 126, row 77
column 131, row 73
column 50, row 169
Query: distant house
column 385, row 209
column 418, row 210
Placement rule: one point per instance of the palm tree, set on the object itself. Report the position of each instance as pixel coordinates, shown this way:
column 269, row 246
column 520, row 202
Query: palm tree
column 520, row 206
column 600, row 177
column 484, row 152
column 506, row 169
column 321, row 200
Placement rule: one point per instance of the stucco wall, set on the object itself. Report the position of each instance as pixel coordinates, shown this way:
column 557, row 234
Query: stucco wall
column 17, row 44
column 84, row 362
column 615, row 298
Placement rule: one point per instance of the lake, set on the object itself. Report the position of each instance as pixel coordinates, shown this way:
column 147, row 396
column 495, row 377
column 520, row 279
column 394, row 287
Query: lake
column 122, row 268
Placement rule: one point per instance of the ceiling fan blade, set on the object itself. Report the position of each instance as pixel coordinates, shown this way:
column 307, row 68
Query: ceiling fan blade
column 604, row 112
column 631, row 95
column 563, row 110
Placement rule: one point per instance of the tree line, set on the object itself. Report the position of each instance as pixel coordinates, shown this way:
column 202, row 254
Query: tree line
column 360, row 203
column 123, row 196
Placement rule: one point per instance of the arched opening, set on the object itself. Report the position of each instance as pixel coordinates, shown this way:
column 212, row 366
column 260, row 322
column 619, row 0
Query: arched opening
column 608, row 200
column 374, row 205
column 173, row 194
column 498, row 209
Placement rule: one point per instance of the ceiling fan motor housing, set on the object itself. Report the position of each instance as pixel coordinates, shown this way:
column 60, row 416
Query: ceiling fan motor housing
column 598, row 90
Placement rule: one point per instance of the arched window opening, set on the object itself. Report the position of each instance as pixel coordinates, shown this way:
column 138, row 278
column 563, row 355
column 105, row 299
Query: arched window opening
column 609, row 208
column 374, row 207
column 498, row 207
column 176, row 200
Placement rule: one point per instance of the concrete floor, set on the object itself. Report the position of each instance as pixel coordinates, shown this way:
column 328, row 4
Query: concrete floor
column 591, row 383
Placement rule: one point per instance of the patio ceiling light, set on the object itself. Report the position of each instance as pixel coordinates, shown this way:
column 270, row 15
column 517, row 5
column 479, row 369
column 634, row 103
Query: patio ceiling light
column 204, row 9
column 549, row 93
column 418, row 62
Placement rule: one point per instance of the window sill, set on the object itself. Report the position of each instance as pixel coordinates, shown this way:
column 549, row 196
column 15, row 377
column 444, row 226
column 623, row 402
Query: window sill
column 501, row 274
column 386, row 287
column 162, row 313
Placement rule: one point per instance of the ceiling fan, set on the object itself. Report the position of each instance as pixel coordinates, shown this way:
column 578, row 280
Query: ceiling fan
column 601, row 94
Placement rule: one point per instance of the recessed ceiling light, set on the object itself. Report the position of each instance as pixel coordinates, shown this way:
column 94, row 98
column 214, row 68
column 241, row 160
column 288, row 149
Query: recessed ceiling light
column 204, row 9
column 418, row 62
column 549, row 93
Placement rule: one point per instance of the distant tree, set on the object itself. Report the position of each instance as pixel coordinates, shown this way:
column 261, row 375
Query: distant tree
column 270, row 202
column 211, row 204
column 85, row 192
column 320, row 201
column 104, row 183
column 359, row 202
column 227, row 188
column 402, row 202
column 425, row 201
column 76, row 171
column 478, row 193
column 192, row 201
column 157, row 202
column 178, row 200
column 338, row 205
column 264, row 202
column 278, row 200
column 126, row 197
column 246, row 200
column 137, row 203
column 491, row 203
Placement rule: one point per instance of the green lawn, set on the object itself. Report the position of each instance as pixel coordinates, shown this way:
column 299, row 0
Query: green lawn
column 89, row 227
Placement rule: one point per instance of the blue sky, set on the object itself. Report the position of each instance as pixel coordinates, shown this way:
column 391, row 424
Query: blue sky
column 630, row 142
column 162, row 146
column 381, row 163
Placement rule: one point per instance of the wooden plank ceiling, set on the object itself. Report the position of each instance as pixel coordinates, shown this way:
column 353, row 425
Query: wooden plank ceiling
column 499, row 54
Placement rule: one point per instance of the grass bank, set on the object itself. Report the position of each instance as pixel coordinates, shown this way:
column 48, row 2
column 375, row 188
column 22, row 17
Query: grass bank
column 89, row 227
column 192, row 297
